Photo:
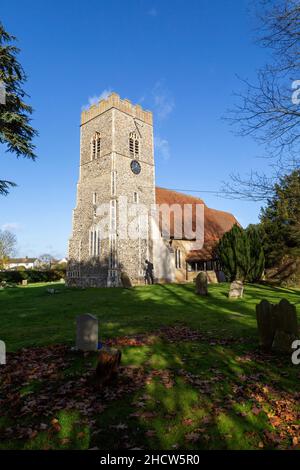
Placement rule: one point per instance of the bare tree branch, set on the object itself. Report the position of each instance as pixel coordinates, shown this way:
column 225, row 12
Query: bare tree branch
column 266, row 110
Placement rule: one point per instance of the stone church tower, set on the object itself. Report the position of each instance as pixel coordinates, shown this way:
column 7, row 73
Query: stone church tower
column 116, row 166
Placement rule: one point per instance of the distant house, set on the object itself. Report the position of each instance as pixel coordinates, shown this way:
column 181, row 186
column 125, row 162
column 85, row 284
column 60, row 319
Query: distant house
column 27, row 263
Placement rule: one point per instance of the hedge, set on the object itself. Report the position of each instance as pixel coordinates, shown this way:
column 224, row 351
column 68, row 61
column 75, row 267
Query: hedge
column 32, row 275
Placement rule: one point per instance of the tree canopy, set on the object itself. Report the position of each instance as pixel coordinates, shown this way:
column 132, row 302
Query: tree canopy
column 16, row 132
column 241, row 254
column 280, row 220
column 7, row 245
column 268, row 108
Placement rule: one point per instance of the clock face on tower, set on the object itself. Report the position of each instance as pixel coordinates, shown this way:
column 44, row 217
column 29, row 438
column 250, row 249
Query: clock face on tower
column 135, row 167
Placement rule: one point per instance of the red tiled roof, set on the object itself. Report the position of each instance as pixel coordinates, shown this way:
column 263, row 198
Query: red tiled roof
column 216, row 222
column 205, row 254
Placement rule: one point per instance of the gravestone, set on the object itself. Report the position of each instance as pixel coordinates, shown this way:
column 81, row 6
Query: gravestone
column 277, row 325
column 87, row 333
column 286, row 317
column 265, row 324
column 125, row 280
column 283, row 341
column 201, row 283
column 236, row 290
column 212, row 277
column 51, row 291
column 2, row 353
column 24, row 282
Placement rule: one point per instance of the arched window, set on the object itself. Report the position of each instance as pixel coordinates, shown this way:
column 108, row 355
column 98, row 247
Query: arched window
column 135, row 197
column 94, row 241
column 134, row 144
column 95, row 145
column 177, row 259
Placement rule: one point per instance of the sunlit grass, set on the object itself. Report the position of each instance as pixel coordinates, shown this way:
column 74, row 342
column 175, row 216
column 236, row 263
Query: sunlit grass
column 199, row 410
column 30, row 316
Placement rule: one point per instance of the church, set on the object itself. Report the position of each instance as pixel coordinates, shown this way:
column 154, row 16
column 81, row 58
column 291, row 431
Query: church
column 119, row 220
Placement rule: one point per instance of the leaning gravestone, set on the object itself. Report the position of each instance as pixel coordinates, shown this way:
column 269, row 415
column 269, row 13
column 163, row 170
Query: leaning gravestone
column 201, row 284
column 125, row 279
column 277, row 325
column 286, row 317
column 87, row 333
column 236, row 290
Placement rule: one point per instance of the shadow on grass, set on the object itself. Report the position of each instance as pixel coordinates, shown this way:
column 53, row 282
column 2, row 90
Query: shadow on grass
column 201, row 394
column 210, row 401
column 30, row 316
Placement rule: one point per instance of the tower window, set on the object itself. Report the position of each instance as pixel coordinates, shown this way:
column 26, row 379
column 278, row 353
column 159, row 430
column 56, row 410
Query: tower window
column 134, row 144
column 131, row 146
column 94, row 198
column 94, row 242
column 96, row 146
column 136, row 147
column 177, row 259
column 135, row 197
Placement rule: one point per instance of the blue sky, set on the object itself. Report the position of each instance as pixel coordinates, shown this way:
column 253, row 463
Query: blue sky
column 177, row 58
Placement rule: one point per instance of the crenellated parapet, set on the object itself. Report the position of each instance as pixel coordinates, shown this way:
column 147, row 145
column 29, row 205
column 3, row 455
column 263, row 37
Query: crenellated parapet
column 114, row 101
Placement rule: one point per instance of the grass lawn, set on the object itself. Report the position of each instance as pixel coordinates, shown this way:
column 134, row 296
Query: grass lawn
column 193, row 376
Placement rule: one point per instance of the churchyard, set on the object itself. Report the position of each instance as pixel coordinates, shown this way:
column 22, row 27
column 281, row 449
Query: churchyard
column 192, row 374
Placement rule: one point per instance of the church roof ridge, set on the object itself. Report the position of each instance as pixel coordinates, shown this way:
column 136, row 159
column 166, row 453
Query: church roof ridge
column 216, row 222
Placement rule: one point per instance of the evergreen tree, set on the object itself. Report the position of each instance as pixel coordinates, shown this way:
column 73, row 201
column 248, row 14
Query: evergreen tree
column 241, row 254
column 16, row 132
column 225, row 251
column 257, row 256
column 233, row 251
column 280, row 220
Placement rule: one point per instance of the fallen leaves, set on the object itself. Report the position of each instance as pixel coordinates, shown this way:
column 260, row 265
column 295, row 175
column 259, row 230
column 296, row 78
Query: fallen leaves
column 35, row 388
column 119, row 427
column 187, row 422
column 256, row 410
column 192, row 437
column 55, row 392
column 55, row 425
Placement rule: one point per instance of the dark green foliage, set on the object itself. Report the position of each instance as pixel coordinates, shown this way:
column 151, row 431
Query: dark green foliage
column 280, row 221
column 234, row 253
column 16, row 132
column 257, row 256
column 32, row 275
column 241, row 254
